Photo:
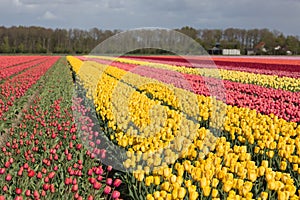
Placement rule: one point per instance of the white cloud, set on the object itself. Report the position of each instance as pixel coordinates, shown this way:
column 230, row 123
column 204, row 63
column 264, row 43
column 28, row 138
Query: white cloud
column 49, row 16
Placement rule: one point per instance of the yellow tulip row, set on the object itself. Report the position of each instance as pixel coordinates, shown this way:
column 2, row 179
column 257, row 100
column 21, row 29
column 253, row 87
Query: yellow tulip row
column 228, row 169
column 163, row 129
column 285, row 83
column 76, row 63
column 267, row 133
column 264, row 132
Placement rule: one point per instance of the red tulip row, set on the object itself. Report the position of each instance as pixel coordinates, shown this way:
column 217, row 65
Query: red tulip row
column 10, row 61
column 17, row 86
column 43, row 157
column 283, row 104
column 7, row 72
column 288, row 70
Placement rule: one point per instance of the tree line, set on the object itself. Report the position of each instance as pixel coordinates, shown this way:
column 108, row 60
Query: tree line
column 34, row 39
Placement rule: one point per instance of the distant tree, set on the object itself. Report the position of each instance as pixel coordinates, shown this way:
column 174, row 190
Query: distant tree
column 189, row 31
column 292, row 44
column 5, row 47
column 34, row 39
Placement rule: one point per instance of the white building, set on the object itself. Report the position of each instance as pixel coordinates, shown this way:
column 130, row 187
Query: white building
column 231, row 52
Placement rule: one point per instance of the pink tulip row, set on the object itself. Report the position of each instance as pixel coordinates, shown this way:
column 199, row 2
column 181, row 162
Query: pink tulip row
column 283, row 104
column 257, row 68
column 7, row 72
column 16, row 87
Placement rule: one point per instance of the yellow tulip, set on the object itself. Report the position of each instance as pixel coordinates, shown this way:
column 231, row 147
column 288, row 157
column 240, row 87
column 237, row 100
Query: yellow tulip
column 168, row 197
column 173, row 178
column 249, row 195
column 193, row 195
column 265, row 164
column 203, row 182
column 214, row 193
column 163, row 194
column 156, row 194
column 206, row 191
column 181, row 192
column 175, row 193
column 281, row 195
column 227, row 186
column 247, row 187
column 215, row 182
column 252, row 176
column 156, row 180
column 283, row 165
column 264, row 195
column 271, row 185
column 167, row 172
column 150, row 197
column 261, row 171
column 165, row 186
column 148, row 180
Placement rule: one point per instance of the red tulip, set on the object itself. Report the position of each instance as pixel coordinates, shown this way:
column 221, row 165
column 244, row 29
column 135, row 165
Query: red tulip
column 36, row 194
column 46, row 186
column 78, row 146
column 115, row 194
column 90, row 172
column 31, row 173
column 75, row 188
column 107, row 189
column 5, row 188
column 68, row 181
column 8, row 177
column 27, row 193
column 2, row 170
column 18, row 191
column 7, row 164
column 51, row 175
column 92, row 180
column 117, row 182
column 39, row 175
column 97, row 185
column 26, row 166
column 108, row 181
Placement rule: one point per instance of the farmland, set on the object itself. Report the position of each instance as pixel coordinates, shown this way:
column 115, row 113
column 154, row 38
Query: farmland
column 149, row 127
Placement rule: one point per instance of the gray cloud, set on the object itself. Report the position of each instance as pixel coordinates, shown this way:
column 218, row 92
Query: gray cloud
column 121, row 14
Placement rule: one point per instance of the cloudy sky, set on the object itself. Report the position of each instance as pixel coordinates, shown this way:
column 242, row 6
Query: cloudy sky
column 282, row 15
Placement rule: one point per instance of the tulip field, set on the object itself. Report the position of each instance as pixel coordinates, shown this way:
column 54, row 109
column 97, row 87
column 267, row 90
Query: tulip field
column 163, row 128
